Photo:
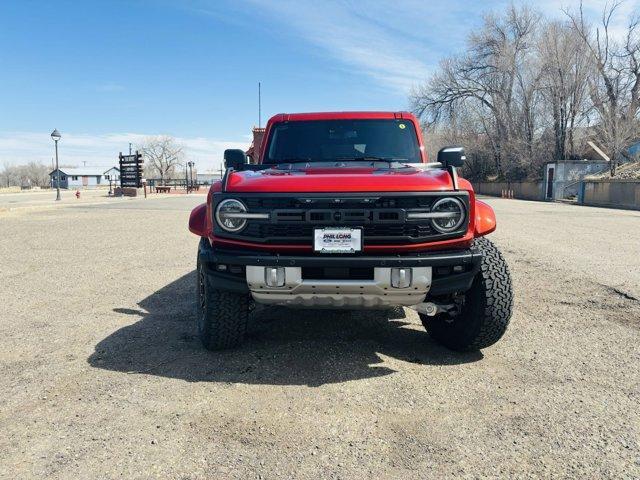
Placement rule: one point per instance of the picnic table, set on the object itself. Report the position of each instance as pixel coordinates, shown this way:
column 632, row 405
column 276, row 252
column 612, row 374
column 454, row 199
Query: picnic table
column 163, row 189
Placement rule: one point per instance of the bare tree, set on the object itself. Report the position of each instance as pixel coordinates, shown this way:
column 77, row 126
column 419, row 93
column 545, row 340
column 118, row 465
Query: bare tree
column 32, row 174
column 564, row 81
column 529, row 90
column 8, row 175
column 497, row 82
column 162, row 155
column 614, row 87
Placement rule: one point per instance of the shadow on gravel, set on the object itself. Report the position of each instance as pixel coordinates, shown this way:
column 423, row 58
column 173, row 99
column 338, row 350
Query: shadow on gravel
column 283, row 347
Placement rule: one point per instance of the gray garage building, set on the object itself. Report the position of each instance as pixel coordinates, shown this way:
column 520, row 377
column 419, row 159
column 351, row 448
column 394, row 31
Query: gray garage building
column 562, row 177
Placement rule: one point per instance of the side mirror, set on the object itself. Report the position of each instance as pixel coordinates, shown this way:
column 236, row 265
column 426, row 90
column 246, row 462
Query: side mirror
column 451, row 157
column 234, row 158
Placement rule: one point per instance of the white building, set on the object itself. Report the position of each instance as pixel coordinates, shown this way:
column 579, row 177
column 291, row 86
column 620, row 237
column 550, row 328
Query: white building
column 113, row 175
column 85, row 177
column 208, row 177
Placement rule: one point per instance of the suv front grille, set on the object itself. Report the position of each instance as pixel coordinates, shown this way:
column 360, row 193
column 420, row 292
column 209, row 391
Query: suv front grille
column 300, row 233
column 382, row 217
column 295, row 201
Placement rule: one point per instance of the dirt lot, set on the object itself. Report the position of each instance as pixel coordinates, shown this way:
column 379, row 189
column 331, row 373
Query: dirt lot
column 102, row 376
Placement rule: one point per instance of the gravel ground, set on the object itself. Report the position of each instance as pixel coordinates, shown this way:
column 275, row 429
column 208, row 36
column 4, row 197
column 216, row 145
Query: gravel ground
column 102, row 376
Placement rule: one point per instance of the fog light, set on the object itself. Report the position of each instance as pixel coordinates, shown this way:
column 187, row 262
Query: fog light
column 400, row 277
column 221, row 267
column 458, row 268
column 274, row 276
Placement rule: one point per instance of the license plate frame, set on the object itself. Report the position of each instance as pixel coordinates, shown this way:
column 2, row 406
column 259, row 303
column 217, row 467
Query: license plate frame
column 333, row 240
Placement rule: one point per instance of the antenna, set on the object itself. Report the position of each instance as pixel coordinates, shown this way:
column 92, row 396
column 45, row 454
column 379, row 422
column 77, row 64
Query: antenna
column 259, row 106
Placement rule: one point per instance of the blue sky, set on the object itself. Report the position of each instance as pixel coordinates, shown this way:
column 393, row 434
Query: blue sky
column 109, row 72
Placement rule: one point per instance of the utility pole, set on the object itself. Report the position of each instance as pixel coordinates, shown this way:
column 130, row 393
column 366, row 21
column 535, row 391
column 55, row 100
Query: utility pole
column 259, row 105
column 129, row 148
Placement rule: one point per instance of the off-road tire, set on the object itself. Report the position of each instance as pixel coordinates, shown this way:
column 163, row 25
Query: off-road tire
column 487, row 306
column 222, row 316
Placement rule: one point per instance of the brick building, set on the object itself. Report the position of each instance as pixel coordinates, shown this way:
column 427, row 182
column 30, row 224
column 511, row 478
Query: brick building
column 254, row 150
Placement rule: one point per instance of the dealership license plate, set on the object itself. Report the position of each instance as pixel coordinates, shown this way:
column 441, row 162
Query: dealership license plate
column 337, row 240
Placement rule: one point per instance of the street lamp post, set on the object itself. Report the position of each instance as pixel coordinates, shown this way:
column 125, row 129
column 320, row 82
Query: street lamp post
column 55, row 135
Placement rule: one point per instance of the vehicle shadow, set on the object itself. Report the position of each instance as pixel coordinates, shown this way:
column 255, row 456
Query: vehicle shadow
column 283, row 347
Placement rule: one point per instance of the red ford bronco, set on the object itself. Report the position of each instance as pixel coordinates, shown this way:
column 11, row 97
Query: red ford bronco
column 344, row 211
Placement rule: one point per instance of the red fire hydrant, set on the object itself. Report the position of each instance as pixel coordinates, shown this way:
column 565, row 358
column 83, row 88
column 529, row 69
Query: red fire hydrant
column 78, row 194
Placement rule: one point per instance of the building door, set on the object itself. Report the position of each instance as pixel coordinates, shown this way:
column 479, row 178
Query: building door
column 550, row 173
column 85, row 180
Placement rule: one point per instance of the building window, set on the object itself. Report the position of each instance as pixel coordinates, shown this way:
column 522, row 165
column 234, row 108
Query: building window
column 63, row 178
column 106, row 177
column 74, row 178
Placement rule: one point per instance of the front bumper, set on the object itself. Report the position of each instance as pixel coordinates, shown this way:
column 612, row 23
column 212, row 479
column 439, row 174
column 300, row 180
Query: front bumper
column 434, row 274
column 374, row 292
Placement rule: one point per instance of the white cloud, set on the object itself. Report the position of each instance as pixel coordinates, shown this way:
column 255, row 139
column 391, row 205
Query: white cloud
column 74, row 149
column 398, row 44
column 386, row 43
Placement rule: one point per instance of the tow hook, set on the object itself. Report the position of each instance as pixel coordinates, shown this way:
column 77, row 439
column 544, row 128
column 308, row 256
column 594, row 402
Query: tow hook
column 431, row 309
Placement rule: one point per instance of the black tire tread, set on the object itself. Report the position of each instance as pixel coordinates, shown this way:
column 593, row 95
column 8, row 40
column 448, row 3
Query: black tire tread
column 223, row 319
column 498, row 294
column 485, row 324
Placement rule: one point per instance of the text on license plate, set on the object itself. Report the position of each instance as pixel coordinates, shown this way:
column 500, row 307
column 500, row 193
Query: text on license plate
column 337, row 240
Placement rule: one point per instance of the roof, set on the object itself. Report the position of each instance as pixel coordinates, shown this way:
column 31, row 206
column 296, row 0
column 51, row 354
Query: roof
column 283, row 117
column 583, row 161
column 84, row 171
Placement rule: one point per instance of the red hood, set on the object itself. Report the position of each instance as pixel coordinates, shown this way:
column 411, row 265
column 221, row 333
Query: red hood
column 340, row 179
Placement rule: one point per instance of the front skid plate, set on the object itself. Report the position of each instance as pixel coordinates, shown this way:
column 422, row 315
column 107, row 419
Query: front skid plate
column 376, row 293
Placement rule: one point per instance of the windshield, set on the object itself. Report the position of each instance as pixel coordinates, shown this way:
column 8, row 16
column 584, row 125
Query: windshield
column 343, row 140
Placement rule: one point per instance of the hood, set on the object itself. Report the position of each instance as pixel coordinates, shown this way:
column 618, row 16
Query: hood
column 340, row 179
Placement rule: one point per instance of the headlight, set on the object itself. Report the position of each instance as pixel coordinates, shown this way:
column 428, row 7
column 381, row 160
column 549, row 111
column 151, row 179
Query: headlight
column 447, row 214
column 230, row 215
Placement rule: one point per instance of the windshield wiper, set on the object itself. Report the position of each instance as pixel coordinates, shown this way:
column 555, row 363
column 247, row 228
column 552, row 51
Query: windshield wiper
column 368, row 158
column 290, row 163
column 287, row 161
column 391, row 161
